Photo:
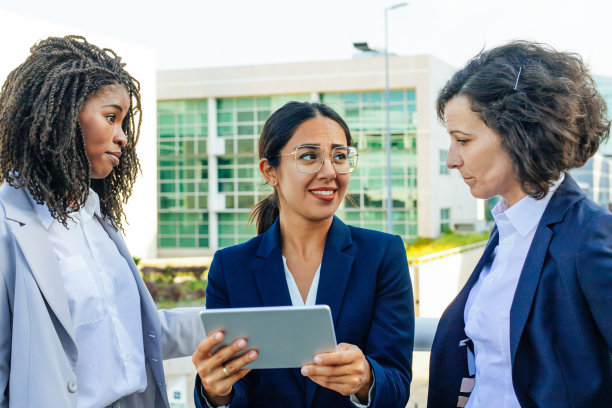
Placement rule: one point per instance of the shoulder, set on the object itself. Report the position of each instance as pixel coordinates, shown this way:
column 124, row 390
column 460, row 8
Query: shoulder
column 240, row 250
column 371, row 240
column 584, row 217
column 239, row 254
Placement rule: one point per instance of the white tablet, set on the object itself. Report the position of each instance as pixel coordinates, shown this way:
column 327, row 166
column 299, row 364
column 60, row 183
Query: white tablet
column 284, row 336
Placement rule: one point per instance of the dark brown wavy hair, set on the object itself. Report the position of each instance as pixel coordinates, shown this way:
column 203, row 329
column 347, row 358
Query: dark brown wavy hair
column 276, row 133
column 542, row 102
column 42, row 148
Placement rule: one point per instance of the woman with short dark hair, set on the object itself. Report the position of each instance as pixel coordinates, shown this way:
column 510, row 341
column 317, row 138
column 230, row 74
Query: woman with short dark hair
column 532, row 325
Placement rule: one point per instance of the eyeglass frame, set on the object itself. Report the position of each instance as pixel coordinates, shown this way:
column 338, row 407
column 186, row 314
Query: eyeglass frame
column 325, row 154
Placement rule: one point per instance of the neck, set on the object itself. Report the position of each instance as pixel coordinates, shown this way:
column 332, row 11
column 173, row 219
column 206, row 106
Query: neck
column 302, row 237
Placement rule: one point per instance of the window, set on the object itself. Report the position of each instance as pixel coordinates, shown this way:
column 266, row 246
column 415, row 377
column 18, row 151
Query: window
column 444, row 220
column 443, row 168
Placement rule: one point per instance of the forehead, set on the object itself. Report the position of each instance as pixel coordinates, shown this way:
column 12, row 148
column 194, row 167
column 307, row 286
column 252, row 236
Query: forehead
column 458, row 114
column 320, row 131
column 116, row 94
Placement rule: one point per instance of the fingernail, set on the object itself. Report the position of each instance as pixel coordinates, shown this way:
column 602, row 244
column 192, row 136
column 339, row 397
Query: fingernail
column 318, row 360
column 241, row 343
column 252, row 355
column 218, row 336
column 304, row 371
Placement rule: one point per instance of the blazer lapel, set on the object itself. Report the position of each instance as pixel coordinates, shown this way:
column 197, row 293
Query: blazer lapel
column 564, row 197
column 268, row 270
column 335, row 272
column 335, row 268
column 34, row 243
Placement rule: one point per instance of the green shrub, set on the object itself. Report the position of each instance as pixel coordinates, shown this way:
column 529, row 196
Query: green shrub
column 426, row 246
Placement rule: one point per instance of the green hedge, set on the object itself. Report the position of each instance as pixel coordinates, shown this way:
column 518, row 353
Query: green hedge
column 427, row 246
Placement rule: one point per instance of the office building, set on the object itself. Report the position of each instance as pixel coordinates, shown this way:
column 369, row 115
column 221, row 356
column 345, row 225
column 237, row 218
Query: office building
column 209, row 121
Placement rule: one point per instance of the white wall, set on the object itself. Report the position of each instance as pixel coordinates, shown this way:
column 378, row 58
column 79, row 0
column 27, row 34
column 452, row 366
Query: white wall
column 437, row 282
column 20, row 32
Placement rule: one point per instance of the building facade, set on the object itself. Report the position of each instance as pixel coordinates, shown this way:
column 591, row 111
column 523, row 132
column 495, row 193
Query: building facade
column 209, row 121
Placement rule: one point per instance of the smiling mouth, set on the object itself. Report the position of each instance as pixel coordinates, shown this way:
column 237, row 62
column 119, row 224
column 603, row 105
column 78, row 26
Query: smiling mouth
column 324, row 195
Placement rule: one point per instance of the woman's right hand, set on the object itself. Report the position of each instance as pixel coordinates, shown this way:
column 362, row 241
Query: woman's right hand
column 217, row 374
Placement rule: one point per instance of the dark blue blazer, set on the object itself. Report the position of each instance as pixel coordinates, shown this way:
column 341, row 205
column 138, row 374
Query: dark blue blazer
column 561, row 315
column 364, row 280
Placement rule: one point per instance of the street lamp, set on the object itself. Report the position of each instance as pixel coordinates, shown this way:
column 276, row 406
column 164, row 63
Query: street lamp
column 388, row 121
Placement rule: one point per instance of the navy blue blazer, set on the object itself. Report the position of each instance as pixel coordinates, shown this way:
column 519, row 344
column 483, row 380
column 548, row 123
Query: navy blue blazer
column 364, row 280
column 561, row 315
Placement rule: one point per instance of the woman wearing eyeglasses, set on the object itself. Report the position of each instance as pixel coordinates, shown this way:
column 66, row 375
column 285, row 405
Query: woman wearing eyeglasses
column 303, row 256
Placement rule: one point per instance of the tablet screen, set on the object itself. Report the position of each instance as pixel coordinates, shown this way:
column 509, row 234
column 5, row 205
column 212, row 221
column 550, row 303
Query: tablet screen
column 284, row 336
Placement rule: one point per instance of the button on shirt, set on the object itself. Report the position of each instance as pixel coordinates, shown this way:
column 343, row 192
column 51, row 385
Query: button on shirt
column 487, row 310
column 104, row 306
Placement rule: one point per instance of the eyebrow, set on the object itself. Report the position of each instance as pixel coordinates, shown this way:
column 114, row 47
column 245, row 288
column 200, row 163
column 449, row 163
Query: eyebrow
column 112, row 105
column 318, row 145
column 451, row 132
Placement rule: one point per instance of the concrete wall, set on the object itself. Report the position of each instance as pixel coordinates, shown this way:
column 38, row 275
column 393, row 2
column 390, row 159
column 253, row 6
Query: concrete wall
column 437, row 279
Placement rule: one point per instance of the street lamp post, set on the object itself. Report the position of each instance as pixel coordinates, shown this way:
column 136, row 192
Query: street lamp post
column 388, row 120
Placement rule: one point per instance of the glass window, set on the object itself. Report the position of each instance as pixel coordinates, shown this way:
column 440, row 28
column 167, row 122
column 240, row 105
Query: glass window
column 350, row 98
column 264, row 102
column 243, row 103
column 372, row 97
column 246, row 116
column 443, row 168
column 244, row 130
column 225, row 103
column 224, row 117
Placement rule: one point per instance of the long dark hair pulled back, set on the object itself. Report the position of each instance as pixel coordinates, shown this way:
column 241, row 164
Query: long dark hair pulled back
column 276, row 133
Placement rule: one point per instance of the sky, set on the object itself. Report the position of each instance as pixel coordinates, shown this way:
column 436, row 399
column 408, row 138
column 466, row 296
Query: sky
column 206, row 33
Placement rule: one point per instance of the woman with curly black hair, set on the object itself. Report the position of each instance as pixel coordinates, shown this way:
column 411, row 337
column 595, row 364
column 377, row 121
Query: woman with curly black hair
column 77, row 325
column 532, row 326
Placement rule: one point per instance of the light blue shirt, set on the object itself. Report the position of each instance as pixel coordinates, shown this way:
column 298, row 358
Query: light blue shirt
column 104, row 306
column 487, row 310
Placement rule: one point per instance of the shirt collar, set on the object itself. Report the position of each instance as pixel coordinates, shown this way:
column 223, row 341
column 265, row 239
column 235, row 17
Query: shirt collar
column 524, row 215
column 85, row 213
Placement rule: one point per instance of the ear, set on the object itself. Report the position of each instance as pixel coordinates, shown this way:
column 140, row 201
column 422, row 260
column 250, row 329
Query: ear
column 268, row 172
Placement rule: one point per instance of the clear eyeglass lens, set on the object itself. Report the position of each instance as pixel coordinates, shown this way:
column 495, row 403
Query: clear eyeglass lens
column 309, row 159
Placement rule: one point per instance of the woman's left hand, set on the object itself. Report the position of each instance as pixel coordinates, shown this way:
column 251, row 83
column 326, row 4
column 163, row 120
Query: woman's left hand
column 345, row 370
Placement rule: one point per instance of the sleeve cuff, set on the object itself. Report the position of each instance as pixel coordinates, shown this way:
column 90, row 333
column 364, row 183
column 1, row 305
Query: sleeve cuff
column 203, row 397
column 356, row 401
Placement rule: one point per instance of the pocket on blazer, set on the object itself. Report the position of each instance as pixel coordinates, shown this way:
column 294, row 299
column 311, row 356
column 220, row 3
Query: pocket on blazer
column 84, row 300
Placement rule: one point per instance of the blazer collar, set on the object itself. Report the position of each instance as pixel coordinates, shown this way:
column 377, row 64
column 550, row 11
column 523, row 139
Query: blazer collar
column 564, row 198
column 32, row 239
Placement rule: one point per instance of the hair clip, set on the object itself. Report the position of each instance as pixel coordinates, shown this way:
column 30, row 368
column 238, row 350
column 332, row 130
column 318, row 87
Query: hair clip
column 517, row 77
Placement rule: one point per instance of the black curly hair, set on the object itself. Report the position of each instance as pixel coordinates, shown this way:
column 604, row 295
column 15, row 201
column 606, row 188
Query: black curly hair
column 543, row 103
column 42, row 148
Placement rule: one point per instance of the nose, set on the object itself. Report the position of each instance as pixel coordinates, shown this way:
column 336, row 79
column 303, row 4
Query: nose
column 119, row 137
column 327, row 169
column 453, row 159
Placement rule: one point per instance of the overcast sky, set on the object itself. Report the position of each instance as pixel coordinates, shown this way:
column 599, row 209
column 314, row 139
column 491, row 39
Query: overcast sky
column 206, row 33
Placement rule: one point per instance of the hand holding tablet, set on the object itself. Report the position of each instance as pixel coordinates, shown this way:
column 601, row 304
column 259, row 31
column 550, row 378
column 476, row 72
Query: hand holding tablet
column 284, row 337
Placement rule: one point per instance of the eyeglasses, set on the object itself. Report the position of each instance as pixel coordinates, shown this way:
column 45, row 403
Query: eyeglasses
column 310, row 158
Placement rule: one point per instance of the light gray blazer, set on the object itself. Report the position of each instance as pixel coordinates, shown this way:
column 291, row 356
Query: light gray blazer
column 38, row 353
